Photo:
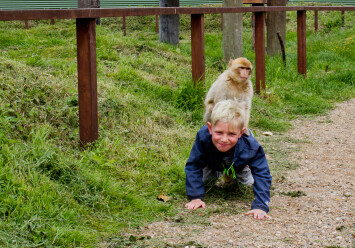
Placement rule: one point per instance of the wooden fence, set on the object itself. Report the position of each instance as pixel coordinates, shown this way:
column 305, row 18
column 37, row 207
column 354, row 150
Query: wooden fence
column 86, row 45
column 67, row 4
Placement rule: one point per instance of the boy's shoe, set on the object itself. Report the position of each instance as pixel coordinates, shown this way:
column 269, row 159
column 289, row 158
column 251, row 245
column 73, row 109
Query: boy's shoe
column 245, row 177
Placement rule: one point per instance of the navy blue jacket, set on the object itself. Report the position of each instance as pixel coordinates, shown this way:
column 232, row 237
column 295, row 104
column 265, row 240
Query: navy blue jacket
column 247, row 151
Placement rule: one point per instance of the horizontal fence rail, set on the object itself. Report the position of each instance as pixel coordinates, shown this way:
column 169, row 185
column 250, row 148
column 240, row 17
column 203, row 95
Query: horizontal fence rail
column 86, row 45
column 67, row 4
column 11, row 15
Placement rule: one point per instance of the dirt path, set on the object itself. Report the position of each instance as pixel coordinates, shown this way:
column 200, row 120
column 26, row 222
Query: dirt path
column 324, row 214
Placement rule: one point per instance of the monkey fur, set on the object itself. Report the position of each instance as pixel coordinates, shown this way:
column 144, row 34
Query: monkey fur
column 230, row 85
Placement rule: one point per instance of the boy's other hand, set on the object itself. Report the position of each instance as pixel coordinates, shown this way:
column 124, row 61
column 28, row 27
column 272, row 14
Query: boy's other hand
column 194, row 204
column 258, row 214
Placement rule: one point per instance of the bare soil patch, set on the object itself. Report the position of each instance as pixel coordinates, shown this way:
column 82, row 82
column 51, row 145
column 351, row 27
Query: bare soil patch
column 312, row 206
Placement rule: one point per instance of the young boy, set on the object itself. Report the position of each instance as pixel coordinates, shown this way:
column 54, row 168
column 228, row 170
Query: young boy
column 220, row 146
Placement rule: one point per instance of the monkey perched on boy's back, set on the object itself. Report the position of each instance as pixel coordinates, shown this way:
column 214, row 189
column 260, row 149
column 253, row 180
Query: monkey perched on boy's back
column 234, row 83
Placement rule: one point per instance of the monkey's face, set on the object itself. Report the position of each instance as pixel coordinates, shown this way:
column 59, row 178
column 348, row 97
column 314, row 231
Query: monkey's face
column 241, row 68
column 243, row 72
column 224, row 136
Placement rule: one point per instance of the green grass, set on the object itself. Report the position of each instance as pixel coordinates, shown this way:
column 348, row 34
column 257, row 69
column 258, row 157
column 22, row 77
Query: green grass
column 55, row 194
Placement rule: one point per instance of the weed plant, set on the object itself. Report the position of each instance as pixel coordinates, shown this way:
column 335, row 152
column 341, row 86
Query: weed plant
column 55, row 194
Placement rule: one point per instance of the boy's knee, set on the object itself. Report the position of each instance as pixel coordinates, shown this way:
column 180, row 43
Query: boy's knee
column 245, row 177
column 209, row 174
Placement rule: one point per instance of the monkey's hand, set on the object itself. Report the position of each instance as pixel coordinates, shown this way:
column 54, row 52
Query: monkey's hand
column 209, row 106
column 258, row 214
column 196, row 203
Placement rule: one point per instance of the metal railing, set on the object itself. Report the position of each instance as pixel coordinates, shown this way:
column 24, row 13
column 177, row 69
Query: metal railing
column 86, row 45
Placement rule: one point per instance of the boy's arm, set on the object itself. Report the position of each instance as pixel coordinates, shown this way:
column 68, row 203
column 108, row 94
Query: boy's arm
column 195, row 188
column 262, row 181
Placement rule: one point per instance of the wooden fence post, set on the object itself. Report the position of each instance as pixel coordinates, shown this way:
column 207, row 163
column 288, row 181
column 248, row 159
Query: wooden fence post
column 301, row 42
column 343, row 17
column 316, row 20
column 197, row 47
column 124, row 25
column 90, row 4
column 87, row 80
column 253, row 23
column 259, row 51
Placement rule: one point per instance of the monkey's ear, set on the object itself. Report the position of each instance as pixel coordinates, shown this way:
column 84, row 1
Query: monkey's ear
column 230, row 63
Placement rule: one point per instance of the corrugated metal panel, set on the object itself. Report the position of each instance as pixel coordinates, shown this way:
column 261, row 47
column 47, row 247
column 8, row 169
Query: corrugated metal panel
column 125, row 3
column 38, row 4
column 69, row 4
column 199, row 2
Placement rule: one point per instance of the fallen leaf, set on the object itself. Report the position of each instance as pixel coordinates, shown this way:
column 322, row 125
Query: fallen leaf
column 163, row 198
column 267, row 133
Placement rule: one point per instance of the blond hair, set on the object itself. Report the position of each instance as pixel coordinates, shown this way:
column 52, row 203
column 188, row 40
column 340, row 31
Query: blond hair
column 230, row 111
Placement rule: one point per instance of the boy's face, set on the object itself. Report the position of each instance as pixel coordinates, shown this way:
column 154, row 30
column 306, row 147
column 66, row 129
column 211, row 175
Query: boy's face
column 224, row 136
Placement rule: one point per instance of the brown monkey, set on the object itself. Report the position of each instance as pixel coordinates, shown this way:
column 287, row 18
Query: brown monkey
column 234, row 83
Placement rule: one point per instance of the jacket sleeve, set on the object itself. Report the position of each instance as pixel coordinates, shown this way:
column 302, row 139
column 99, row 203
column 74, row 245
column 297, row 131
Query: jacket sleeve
column 262, row 180
column 195, row 188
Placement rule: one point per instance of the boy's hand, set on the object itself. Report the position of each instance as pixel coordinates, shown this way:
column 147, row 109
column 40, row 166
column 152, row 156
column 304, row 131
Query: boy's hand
column 258, row 214
column 194, row 204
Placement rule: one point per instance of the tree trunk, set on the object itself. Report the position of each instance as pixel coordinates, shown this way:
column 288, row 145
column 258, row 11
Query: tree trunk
column 276, row 23
column 88, row 3
column 169, row 24
column 232, row 31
